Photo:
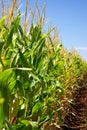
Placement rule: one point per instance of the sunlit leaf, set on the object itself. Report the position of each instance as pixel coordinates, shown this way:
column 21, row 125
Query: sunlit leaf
column 35, row 77
column 2, row 20
column 36, row 108
column 22, row 69
column 12, row 85
column 5, row 75
column 34, row 125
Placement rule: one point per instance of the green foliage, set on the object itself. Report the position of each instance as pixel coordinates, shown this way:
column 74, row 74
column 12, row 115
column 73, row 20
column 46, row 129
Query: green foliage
column 37, row 77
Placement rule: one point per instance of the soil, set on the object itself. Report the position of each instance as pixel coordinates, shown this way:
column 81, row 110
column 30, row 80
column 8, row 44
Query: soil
column 76, row 119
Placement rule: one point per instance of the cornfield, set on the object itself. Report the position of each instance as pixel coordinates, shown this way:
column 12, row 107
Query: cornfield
column 37, row 74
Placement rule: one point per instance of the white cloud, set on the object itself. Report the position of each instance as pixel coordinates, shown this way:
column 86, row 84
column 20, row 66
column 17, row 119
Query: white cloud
column 81, row 48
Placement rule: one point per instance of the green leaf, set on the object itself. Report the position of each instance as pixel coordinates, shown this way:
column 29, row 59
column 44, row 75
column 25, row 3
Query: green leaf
column 20, row 113
column 35, row 77
column 2, row 115
column 2, row 20
column 43, row 119
column 16, row 21
column 20, row 86
column 36, row 108
column 9, row 38
column 8, row 124
column 21, row 30
column 32, row 124
column 23, row 59
column 1, row 45
column 5, row 75
column 25, row 122
column 12, row 85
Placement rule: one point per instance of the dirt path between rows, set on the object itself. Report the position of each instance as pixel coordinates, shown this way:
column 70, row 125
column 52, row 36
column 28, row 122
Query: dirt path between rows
column 76, row 119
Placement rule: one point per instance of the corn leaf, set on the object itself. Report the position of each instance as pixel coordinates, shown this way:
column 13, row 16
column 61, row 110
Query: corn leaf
column 2, row 114
column 5, row 75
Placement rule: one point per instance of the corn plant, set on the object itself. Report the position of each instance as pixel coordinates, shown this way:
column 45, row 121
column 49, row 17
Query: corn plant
column 37, row 76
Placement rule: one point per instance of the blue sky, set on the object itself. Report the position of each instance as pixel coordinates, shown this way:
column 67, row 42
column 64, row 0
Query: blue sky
column 70, row 16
